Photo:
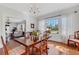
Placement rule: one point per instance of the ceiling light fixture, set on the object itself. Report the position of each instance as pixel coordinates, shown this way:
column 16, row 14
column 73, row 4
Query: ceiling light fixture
column 34, row 10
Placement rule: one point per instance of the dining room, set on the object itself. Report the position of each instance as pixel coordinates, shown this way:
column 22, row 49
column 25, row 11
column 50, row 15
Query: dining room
column 30, row 29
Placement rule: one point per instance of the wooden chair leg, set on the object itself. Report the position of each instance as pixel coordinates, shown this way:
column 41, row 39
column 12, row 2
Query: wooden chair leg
column 78, row 46
column 47, row 51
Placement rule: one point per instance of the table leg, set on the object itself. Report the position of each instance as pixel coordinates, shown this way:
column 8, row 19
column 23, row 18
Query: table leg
column 68, row 42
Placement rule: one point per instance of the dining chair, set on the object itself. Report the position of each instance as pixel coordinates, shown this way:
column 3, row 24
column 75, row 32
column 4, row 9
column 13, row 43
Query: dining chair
column 70, row 40
column 41, row 48
column 76, row 35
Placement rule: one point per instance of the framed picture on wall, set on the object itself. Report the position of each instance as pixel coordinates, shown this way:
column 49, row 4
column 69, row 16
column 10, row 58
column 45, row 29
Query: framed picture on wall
column 32, row 25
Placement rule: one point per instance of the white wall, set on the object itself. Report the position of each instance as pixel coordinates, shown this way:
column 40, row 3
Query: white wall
column 42, row 25
column 30, row 20
column 0, row 32
column 70, row 24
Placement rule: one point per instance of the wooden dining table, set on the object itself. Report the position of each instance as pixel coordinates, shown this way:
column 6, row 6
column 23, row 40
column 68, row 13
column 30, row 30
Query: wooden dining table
column 29, row 44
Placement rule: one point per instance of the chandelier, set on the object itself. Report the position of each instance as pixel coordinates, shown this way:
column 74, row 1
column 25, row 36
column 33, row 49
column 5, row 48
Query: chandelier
column 34, row 10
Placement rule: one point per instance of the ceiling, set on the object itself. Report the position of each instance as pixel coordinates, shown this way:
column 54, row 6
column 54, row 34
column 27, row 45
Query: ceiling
column 44, row 8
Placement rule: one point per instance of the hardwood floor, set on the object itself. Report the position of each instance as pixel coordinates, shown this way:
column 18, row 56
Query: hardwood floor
column 55, row 48
column 1, row 51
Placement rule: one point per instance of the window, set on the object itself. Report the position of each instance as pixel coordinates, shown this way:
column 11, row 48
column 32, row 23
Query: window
column 52, row 24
